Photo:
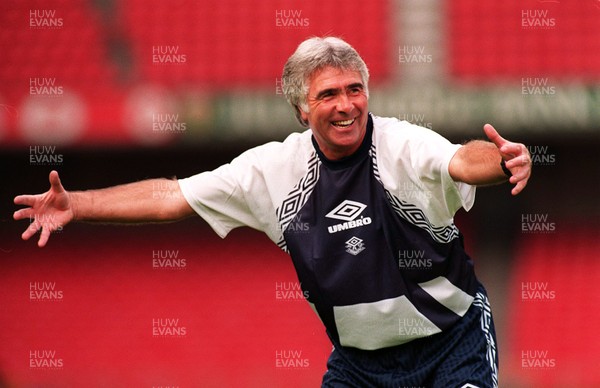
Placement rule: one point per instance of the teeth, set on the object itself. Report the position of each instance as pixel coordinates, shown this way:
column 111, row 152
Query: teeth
column 344, row 123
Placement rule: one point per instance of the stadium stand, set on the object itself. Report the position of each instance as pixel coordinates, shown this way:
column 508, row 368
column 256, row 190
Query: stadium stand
column 552, row 314
column 232, row 44
column 554, row 39
column 62, row 40
column 104, row 55
column 53, row 50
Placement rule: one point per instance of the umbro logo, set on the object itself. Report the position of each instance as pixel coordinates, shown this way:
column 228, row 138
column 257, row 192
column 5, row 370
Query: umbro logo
column 355, row 245
column 348, row 211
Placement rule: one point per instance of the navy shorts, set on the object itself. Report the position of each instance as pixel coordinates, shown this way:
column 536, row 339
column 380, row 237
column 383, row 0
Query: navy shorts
column 463, row 356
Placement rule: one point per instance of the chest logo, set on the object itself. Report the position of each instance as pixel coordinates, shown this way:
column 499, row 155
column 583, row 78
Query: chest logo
column 355, row 245
column 348, row 211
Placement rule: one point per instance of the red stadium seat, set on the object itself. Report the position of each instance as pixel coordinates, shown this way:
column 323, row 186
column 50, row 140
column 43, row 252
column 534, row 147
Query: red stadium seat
column 239, row 44
column 552, row 332
column 508, row 40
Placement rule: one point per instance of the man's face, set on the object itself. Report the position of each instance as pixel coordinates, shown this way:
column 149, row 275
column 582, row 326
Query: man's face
column 337, row 111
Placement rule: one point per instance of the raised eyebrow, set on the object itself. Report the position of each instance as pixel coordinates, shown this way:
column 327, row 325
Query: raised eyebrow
column 336, row 90
column 356, row 85
column 326, row 91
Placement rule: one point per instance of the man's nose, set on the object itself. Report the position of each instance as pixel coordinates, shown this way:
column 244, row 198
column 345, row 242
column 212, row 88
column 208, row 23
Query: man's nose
column 344, row 104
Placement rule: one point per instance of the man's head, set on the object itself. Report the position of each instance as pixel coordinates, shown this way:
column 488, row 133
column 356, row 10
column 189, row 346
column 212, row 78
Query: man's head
column 326, row 82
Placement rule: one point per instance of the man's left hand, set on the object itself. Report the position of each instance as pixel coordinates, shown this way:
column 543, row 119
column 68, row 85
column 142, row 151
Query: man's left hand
column 516, row 158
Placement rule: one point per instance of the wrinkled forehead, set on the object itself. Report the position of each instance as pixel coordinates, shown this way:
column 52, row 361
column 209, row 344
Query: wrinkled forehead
column 333, row 78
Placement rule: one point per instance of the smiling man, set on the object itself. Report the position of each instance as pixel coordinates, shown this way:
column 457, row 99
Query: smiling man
column 336, row 111
column 364, row 205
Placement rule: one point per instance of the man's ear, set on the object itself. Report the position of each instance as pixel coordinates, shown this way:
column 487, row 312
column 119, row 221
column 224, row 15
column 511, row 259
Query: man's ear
column 301, row 116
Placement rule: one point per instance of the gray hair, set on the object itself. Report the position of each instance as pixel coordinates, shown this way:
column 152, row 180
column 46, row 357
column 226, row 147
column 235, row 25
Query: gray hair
column 312, row 55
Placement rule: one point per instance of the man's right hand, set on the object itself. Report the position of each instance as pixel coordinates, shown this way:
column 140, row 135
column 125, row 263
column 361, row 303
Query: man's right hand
column 49, row 211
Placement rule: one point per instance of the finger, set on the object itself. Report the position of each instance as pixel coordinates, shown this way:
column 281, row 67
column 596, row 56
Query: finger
column 23, row 213
column 493, row 135
column 27, row 200
column 31, row 230
column 519, row 161
column 519, row 187
column 44, row 236
column 513, row 149
column 519, row 176
column 520, row 170
column 55, row 184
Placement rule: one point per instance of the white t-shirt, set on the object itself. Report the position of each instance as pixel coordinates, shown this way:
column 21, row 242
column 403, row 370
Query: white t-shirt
column 391, row 206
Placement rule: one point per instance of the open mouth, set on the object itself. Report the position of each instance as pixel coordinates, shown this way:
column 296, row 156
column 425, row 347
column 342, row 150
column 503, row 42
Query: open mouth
column 343, row 124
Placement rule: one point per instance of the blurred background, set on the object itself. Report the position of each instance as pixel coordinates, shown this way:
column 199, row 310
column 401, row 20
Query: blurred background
column 108, row 92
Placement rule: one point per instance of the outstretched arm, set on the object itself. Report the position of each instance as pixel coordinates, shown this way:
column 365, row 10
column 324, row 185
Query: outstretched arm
column 154, row 200
column 478, row 162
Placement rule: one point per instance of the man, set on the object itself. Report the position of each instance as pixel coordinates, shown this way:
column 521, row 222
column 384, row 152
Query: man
column 352, row 200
